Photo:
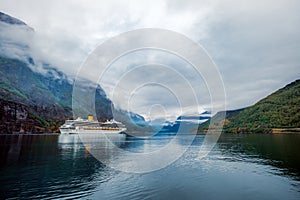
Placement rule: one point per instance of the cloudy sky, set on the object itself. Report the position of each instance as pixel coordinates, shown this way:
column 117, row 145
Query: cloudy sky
column 254, row 44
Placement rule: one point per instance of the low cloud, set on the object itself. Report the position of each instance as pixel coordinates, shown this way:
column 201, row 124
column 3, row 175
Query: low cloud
column 255, row 44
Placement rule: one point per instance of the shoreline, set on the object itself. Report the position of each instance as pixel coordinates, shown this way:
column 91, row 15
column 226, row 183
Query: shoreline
column 282, row 131
column 30, row 134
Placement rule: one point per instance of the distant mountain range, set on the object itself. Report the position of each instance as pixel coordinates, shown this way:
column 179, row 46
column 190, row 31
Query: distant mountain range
column 277, row 113
column 191, row 121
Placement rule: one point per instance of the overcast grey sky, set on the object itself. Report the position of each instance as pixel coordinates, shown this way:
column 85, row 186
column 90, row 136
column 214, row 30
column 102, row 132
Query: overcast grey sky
column 255, row 44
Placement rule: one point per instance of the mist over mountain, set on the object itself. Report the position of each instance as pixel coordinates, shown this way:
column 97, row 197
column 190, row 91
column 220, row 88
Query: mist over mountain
column 10, row 20
column 33, row 87
column 42, row 93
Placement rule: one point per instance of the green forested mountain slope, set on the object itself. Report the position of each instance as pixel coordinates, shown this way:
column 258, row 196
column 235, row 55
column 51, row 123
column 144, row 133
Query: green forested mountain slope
column 278, row 110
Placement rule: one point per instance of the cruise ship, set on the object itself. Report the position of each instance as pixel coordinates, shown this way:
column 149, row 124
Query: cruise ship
column 81, row 126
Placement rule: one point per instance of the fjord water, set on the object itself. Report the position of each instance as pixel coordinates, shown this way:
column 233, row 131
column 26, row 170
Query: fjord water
column 255, row 166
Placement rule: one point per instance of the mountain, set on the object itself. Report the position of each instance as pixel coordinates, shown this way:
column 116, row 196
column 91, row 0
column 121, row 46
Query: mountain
column 47, row 96
column 190, row 122
column 15, row 38
column 10, row 20
column 217, row 118
column 278, row 112
column 34, row 96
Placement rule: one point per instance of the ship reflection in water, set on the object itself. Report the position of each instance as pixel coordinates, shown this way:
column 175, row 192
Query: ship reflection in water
column 100, row 144
column 61, row 167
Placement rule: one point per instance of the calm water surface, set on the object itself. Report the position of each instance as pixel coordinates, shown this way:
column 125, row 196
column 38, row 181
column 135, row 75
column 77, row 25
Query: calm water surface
column 239, row 167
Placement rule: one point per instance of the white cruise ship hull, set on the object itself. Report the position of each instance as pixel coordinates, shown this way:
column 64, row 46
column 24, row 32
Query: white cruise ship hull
column 67, row 131
column 83, row 131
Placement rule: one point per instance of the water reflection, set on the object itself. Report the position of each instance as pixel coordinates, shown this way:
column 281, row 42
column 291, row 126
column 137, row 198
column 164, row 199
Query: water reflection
column 39, row 166
column 279, row 150
column 60, row 166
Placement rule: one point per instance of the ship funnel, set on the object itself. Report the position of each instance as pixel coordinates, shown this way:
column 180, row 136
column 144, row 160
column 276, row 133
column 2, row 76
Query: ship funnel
column 90, row 118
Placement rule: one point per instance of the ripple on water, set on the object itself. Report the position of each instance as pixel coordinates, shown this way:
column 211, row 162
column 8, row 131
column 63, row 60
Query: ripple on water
column 236, row 169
